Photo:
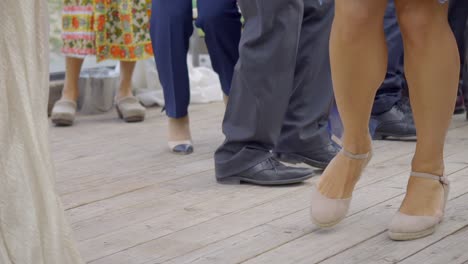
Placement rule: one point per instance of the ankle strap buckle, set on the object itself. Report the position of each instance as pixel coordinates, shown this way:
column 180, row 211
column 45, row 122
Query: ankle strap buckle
column 442, row 179
column 356, row 156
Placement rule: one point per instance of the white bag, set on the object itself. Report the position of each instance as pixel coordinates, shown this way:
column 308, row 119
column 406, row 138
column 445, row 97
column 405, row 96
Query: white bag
column 204, row 84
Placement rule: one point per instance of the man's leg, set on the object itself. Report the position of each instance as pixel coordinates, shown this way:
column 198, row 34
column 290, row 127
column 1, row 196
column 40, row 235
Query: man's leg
column 391, row 113
column 390, row 91
column 221, row 22
column 458, row 14
column 304, row 136
column 261, row 88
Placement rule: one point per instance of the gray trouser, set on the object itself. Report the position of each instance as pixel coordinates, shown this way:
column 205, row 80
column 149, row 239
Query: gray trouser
column 281, row 91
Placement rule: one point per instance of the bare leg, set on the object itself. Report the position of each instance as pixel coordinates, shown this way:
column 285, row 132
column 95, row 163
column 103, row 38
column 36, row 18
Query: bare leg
column 73, row 67
column 358, row 59
column 126, row 68
column 179, row 129
column 432, row 69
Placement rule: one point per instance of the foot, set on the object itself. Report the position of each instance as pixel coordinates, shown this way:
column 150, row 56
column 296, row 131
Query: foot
column 130, row 109
column 424, row 197
column 124, row 93
column 422, row 209
column 180, row 139
column 340, row 177
column 270, row 172
column 63, row 112
column 331, row 197
column 396, row 123
column 319, row 158
column 70, row 93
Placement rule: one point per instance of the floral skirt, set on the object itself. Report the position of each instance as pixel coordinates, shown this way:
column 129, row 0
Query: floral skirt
column 109, row 29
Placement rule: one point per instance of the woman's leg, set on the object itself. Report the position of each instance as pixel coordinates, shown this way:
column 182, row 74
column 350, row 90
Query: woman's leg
column 72, row 75
column 359, row 60
column 432, row 69
column 128, row 107
column 64, row 110
column 171, row 28
column 126, row 73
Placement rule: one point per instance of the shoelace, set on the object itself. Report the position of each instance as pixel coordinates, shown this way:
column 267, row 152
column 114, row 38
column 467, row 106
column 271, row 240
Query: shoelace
column 274, row 163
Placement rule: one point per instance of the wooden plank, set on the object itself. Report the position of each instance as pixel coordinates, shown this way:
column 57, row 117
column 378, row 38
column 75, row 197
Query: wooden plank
column 261, row 239
column 209, row 232
column 389, row 170
column 99, row 139
column 107, row 179
column 360, row 229
column 194, row 237
column 183, row 216
column 182, row 197
column 143, row 180
column 134, row 195
column 453, row 249
column 147, row 180
column 208, row 211
column 381, row 250
column 107, row 188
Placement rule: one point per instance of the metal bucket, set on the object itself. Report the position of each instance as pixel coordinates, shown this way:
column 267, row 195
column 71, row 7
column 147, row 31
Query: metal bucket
column 97, row 90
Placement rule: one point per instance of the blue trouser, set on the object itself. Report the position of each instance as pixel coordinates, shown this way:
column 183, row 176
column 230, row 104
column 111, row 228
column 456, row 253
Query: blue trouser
column 171, row 29
column 458, row 14
column 390, row 91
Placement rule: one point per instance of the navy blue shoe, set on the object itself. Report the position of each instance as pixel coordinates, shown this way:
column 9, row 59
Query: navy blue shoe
column 181, row 147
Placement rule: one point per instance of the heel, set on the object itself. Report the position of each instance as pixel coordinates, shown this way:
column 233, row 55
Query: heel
column 288, row 158
column 408, row 227
column 229, row 181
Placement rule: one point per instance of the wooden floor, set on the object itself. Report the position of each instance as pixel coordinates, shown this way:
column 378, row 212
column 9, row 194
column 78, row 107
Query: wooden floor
column 132, row 202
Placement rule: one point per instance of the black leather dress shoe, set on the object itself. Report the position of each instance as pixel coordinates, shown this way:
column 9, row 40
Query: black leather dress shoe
column 460, row 104
column 396, row 123
column 270, row 172
column 319, row 158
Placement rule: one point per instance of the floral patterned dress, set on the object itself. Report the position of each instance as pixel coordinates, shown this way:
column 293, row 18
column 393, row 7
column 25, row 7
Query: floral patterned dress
column 109, row 29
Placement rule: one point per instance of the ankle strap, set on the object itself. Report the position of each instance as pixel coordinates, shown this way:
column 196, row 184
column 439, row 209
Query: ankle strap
column 355, row 156
column 442, row 179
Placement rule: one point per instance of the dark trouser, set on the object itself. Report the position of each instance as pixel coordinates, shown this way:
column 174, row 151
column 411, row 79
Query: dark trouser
column 458, row 14
column 391, row 90
column 281, row 91
column 171, row 28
